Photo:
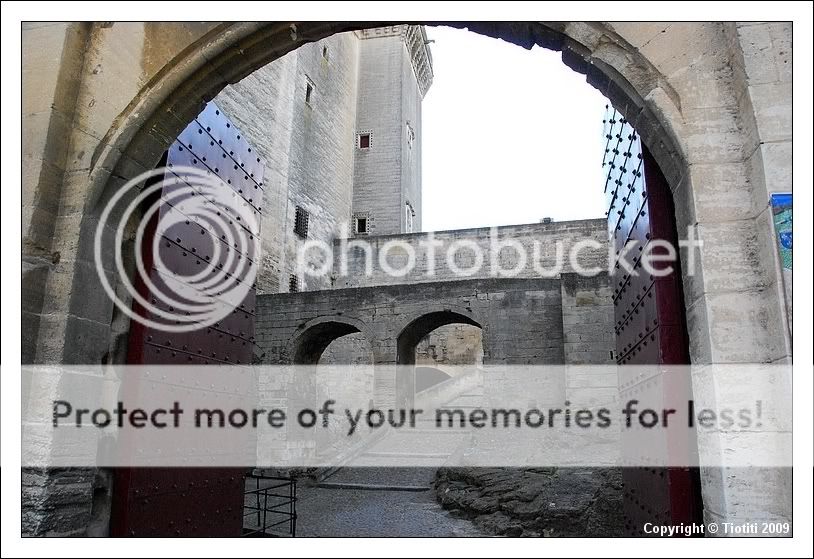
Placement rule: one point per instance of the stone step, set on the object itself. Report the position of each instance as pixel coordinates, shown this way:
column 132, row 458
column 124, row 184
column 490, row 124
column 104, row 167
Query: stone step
column 470, row 396
column 406, row 455
column 396, row 460
column 465, row 407
column 429, row 442
column 430, row 431
column 382, row 477
column 467, row 401
column 373, row 487
column 429, row 424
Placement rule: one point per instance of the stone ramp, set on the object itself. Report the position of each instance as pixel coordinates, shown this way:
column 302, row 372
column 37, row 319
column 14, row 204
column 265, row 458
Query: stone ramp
column 370, row 496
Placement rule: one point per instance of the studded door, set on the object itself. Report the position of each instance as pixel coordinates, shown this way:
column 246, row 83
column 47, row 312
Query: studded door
column 194, row 501
column 649, row 323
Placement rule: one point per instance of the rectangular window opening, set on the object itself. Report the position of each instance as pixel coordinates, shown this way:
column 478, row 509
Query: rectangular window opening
column 309, row 93
column 293, row 284
column 409, row 214
column 301, row 222
column 364, row 141
column 361, row 226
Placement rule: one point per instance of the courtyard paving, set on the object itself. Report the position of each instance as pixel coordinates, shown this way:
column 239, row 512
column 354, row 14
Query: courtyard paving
column 346, row 512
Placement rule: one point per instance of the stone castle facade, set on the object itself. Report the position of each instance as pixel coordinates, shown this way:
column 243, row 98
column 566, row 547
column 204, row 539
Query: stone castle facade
column 338, row 122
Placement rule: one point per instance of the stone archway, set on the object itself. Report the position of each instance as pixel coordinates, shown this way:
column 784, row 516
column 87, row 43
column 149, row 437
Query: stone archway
column 419, row 327
column 623, row 61
column 406, row 343
column 446, row 352
column 310, row 344
column 316, row 381
column 208, row 57
column 683, row 87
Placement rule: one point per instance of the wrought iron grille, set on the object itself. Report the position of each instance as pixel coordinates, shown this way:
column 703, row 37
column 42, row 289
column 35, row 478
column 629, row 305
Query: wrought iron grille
column 301, row 222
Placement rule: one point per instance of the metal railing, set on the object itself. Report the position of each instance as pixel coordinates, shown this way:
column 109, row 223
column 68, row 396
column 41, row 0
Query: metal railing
column 270, row 506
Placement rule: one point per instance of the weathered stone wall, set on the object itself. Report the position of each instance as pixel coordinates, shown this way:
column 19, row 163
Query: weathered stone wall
column 455, row 344
column 502, row 307
column 387, row 175
column 322, row 145
column 351, row 349
column 763, row 66
column 411, row 137
column 546, row 236
column 589, row 339
column 450, row 348
column 308, row 148
column 262, row 106
column 512, row 321
column 587, row 318
column 377, row 170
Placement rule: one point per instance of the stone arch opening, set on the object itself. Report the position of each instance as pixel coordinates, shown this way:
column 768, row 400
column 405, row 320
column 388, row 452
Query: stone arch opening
column 310, row 345
column 418, row 329
column 344, row 373
column 406, row 344
column 143, row 131
column 339, row 366
column 351, row 349
column 445, row 352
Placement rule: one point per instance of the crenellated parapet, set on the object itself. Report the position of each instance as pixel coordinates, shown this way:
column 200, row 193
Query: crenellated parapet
column 415, row 39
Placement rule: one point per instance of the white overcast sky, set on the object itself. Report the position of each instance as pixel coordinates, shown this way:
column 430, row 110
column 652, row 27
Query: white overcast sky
column 509, row 136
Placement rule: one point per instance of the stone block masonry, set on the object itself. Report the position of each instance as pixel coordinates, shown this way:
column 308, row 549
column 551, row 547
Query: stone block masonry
column 308, row 146
column 547, row 237
column 521, row 321
column 501, row 307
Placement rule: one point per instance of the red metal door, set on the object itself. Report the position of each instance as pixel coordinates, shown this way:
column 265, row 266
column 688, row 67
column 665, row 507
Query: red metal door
column 194, row 501
column 649, row 322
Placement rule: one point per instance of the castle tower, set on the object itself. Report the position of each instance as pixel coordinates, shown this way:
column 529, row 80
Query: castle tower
column 395, row 72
